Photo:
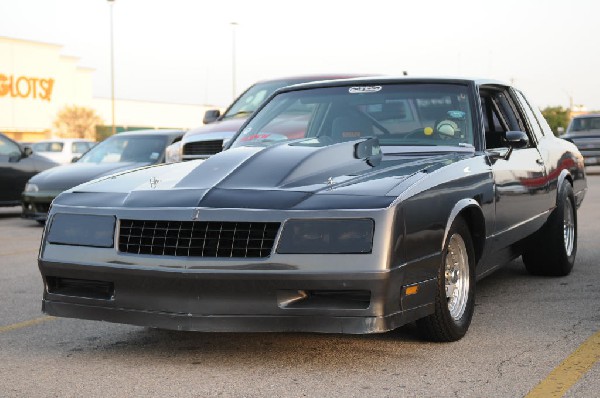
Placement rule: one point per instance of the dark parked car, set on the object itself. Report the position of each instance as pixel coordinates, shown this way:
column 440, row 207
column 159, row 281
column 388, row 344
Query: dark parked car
column 17, row 165
column 584, row 132
column 124, row 151
column 399, row 196
column 206, row 140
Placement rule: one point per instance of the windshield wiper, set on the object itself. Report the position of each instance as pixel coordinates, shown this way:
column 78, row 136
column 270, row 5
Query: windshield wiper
column 442, row 149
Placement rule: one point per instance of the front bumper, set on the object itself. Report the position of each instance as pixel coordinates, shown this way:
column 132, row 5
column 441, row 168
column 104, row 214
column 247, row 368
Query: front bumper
column 329, row 293
column 36, row 206
column 238, row 301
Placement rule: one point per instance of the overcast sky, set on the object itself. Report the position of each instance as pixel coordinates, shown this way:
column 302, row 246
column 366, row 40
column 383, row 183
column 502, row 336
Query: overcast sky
column 181, row 50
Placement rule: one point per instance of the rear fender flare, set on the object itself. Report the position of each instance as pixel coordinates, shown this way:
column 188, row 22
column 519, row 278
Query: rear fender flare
column 564, row 175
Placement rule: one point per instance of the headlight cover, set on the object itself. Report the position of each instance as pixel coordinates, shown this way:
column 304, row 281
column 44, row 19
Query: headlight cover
column 29, row 187
column 82, row 230
column 173, row 153
column 333, row 236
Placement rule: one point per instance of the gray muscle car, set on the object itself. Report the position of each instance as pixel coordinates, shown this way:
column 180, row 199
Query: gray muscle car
column 348, row 206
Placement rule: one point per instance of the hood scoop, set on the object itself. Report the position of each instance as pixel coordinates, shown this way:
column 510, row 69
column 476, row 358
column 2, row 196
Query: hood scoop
column 303, row 163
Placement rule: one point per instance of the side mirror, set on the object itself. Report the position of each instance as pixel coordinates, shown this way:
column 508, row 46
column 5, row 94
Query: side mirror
column 369, row 150
column 27, row 151
column 517, row 139
column 211, row 115
column 75, row 158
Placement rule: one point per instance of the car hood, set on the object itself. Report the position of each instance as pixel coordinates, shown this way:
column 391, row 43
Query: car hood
column 282, row 176
column 61, row 178
column 220, row 126
column 584, row 137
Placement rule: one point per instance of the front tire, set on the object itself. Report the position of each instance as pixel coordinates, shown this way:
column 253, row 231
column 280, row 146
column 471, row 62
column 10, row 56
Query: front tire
column 551, row 250
column 455, row 297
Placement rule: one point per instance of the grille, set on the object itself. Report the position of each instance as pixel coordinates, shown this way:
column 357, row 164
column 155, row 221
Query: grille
column 197, row 238
column 203, row 147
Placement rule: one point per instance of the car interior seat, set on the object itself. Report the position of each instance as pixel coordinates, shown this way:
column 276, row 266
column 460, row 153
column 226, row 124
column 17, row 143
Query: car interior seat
column 349, row 128
column 140, row 151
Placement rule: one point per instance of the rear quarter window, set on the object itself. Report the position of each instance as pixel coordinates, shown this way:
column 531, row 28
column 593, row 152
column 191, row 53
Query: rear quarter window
column 533, row 120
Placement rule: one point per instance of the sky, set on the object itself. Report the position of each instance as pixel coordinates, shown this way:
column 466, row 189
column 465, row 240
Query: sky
column 181, row 51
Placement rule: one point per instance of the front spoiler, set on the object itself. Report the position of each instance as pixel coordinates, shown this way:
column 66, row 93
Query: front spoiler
column 36, row 207
column 239, row 301
column 28, row 215
column 238, row 323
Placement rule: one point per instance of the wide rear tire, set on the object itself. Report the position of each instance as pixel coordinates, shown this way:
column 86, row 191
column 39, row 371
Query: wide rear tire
column 455, row 297
column 551, row 251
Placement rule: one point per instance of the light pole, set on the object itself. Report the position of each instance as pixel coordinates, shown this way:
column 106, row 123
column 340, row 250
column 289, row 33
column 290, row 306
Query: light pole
column 112, row 68
column 233, row 83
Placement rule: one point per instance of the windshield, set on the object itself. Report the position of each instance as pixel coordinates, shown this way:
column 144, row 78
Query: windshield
column 127, row 148
column 253, row 97
column 585, row 124
column 397, row 114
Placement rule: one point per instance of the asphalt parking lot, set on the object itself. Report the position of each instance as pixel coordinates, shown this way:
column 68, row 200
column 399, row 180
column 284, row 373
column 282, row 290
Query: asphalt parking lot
column 529, row 334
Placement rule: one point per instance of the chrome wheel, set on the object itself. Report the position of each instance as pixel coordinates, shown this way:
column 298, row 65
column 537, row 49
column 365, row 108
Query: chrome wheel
column 457, row 276
column 569, row 227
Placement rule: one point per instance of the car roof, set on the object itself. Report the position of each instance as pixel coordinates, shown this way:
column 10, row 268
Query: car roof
column 63, row 140
column 585, row 115
column 392, row 80
column 316, row 77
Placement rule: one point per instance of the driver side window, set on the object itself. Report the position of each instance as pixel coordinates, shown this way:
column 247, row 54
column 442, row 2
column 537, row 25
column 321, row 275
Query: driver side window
column 499, row 116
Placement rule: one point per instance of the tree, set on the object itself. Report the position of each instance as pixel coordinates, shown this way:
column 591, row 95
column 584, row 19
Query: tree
column 556, row 116
column 77, row 122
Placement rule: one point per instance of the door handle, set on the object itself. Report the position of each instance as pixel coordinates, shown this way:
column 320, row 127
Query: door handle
column 540, row 162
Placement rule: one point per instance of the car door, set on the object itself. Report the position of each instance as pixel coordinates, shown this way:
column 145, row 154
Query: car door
column 553, row 162
column 521, row 186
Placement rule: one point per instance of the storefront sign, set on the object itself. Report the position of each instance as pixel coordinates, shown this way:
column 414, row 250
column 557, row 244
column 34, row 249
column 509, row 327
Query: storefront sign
column 26, row 87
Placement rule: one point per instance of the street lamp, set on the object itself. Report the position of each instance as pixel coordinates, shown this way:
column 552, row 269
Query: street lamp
column 112, row 68
column 233, row 25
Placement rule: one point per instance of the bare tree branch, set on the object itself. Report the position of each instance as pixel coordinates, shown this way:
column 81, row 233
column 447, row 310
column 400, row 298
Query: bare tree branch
column 77, row 122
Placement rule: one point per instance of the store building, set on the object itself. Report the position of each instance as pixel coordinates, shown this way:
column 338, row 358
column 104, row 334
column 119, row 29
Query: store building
column 36, row 81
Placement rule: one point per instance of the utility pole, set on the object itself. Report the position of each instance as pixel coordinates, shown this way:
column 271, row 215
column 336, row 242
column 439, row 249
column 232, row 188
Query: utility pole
column 112, row 68
column 233, row 82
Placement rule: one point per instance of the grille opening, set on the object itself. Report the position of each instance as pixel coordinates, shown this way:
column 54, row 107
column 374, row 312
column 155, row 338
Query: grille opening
column 41, row 207
column 198, row 238
column 203, row 147
column 80, row 288
column 324, row 299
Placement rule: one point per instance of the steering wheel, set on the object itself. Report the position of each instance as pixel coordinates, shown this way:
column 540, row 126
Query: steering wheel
column 447, row 129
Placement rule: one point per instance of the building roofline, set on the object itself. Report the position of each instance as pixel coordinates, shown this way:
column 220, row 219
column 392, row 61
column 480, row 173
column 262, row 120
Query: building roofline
column 31, row 41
